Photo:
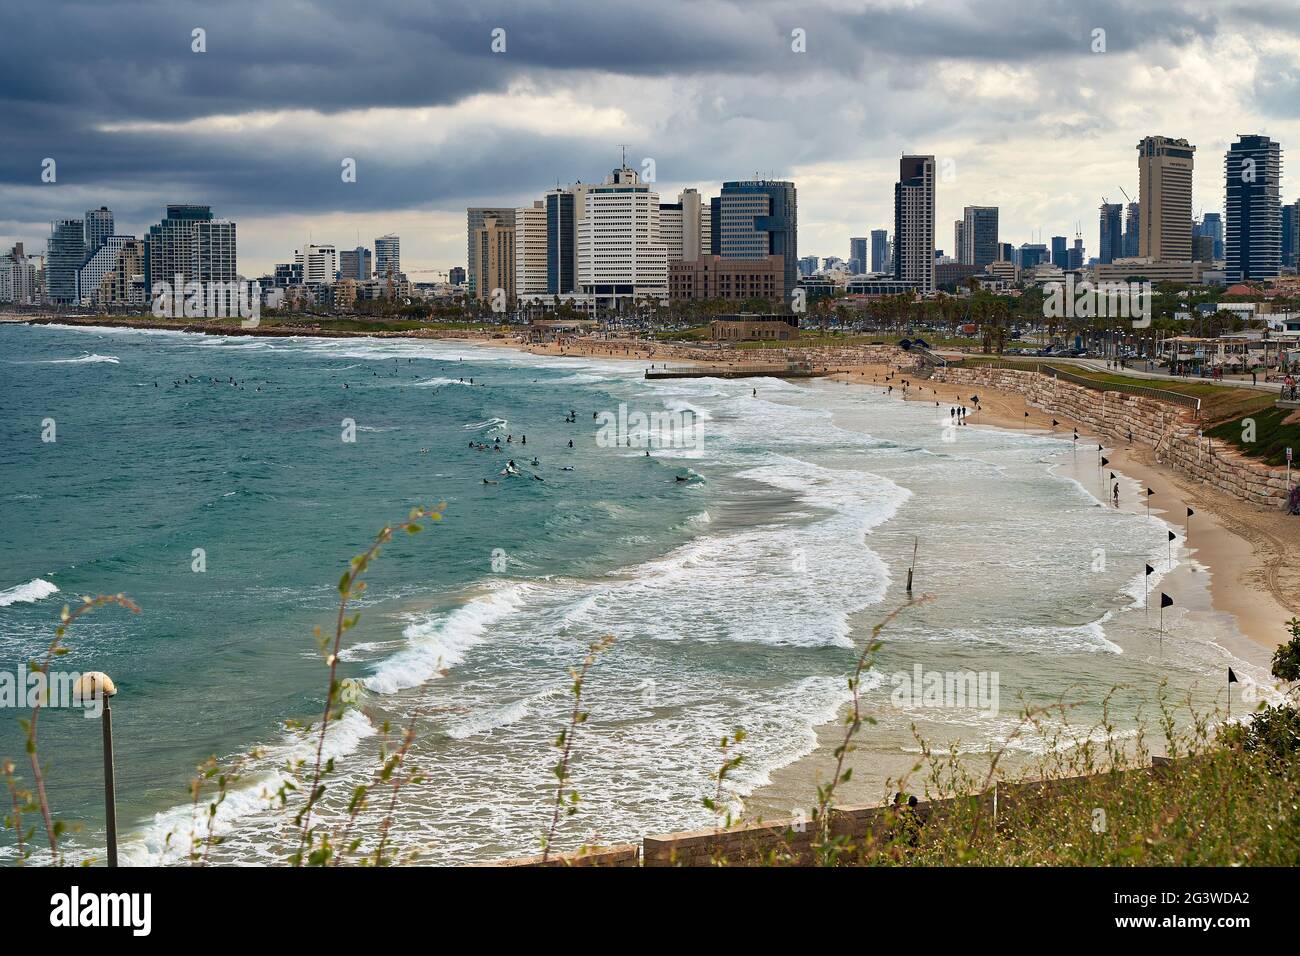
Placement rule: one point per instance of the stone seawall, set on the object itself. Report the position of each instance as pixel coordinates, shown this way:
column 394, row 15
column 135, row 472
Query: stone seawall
column 1172, row 430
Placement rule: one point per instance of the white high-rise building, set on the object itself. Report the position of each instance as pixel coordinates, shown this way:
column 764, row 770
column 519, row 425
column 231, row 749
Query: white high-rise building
column 914, row 223
column 621, row 255
column 218, row 258
column 101, row 263
column 530, row 251
column 319, row 264
column 388, row 257
column 684, row 227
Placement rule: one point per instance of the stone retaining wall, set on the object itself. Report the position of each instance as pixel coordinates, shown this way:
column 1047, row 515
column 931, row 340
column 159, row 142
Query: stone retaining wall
column 1170, row 429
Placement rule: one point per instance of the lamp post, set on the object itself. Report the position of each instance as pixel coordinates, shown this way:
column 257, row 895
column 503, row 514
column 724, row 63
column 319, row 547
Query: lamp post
column 92, row 686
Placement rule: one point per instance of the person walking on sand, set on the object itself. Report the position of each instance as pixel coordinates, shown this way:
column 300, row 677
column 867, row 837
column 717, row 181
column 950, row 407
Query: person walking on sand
column 1115, row 494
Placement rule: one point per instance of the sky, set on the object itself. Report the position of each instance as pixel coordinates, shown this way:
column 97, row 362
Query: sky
column 1023, row 103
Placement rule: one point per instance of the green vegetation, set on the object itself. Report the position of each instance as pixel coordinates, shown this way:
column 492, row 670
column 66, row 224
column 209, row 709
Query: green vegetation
column 1272, row 434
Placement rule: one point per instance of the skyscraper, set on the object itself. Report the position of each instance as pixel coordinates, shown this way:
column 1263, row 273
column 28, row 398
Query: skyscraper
column 880, row 251
column 172, row 248
column 99, row 226
column 1165, row 198
column 621, row 256
column 319, row 264
column 494, row 258
column 474, row 217
column 1212, row 226
column 1060, row 255
column 980, row 232
column 1253, row 239
column 1112, row 233
column 858, row 254
column 530, row 251
column 1290, row 233
column 63, row 256
column 560, row 241
column 959, row 249
column 1132, row 230
column 388, row 258
column 914, row 222
column 759, row 218
column 355, row 264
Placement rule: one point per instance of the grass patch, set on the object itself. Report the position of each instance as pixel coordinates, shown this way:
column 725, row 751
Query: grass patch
column 1272, row 437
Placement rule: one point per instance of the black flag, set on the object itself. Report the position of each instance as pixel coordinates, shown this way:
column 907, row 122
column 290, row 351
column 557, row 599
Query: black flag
column 1026, row 414
column 1150, row 492
column 1099, row 448
column 1190, row 512
column 1166, row 600
column 1150, row 570
column 1105, row 461
column 1055, row 423
column 1232, row 678
column 1112, row 476
column 1172, row 536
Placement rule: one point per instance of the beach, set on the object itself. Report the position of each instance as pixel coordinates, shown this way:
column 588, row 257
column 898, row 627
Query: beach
column 738, row 596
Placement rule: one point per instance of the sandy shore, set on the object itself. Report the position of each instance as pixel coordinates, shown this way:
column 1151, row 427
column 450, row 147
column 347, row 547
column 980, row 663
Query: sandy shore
column 1253, row 554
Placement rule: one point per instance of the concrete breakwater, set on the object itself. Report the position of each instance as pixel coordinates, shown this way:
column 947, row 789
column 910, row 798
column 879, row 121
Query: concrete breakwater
column 1171, row 430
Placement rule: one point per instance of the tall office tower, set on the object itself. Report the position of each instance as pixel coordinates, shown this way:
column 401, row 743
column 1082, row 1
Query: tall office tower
column 715, row 216
column 959, row 240
column 858, row 254
column 388, row 258
column 980, row 233
column 64, row 255
column 1165, row 198
column 759, row 218
column 1290, row 234
column 218, row 258
column 474, row 217
column 319, row 264
column 914, row 222
column 670, row 229
column 697, row 225
column 1132, row 230
column 1076, row 255
column 808, row 266
column 560, row 241
column 494, row 258
column 1006, row 252
column 1202, row 248
column 530, row 251
column 457, row 275
column 1032, row 254
column 1060, row 257
column 1253, row 238
column 355, row 264
column 1212, row 226
column 101, row 262
column 172, row 246
column 99, row 226
column 1112, row 232
column 880, row 251
column 621, row 255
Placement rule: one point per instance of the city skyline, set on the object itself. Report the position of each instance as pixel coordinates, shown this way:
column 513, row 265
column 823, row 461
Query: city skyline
column 1028, row 117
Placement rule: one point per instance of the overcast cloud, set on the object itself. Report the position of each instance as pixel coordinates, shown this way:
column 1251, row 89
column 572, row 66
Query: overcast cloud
column 1011, row 92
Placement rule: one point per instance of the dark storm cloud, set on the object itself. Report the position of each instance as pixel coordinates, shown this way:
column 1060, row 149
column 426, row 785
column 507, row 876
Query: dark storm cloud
column 67, row 68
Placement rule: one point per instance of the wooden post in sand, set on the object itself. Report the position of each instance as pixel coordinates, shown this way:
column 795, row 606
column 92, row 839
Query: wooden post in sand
column 915, row 543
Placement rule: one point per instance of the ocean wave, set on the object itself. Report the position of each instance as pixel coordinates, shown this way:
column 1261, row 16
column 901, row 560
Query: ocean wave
column 168, row 837
column 434, row 645
column 29, row 593
column 89, row 358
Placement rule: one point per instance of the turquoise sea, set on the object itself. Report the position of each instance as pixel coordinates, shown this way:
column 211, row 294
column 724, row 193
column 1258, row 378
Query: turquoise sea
column 735, row 595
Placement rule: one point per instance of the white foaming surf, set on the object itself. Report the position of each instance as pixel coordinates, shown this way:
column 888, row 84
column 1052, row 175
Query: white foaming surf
column 34, row 590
